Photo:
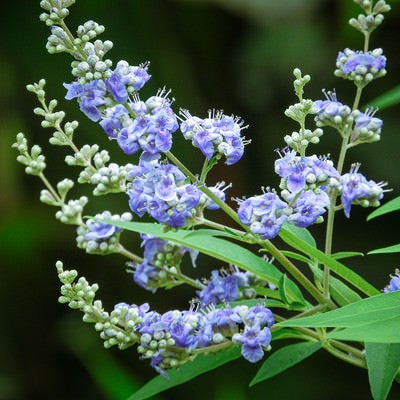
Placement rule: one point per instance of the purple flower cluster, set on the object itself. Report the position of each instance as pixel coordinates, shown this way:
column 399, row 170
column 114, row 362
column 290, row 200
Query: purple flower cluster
column 98, row 237
column 306, row 183
column 161, row 191
column 367, row 128
column 303, row 173
column 360, row 61
column 97, row 95
column 356, row 189
column 361, row 67
column 150, row 130
column 223, row 287
column 160, row 259
column 168, row 339
column 126, row 79
column 265, row 214
column 394, row 283
column 331, row 111
column 90, row 96
column 135, row 124
column 218, row 135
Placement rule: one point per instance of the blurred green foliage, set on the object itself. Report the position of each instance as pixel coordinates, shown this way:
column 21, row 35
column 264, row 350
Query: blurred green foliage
column 229, row 54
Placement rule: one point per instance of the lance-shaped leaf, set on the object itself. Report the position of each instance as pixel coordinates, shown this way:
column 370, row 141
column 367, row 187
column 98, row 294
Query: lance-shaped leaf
column 383, row 361
column 375, row 319
column 390, row 206
column 340, row 269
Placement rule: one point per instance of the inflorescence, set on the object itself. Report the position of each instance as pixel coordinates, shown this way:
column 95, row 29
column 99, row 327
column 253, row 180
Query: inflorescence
column 166, row 192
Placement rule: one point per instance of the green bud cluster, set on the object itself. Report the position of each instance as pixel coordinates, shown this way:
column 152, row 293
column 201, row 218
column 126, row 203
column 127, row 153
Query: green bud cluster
column 71, row 212
column 34, row 160
column 88, row 31
column 57, row 199
column 60, row 42
column 373, row 17
column 115, row 328
column 101, row 246
column 111, row 178
column 119, row 330
column 300, row 110
column 301, row 140
column 57, row 10
column 90, row 64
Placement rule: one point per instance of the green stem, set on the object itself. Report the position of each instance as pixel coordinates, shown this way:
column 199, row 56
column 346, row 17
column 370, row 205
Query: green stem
column 228, row 210
column 51, row 189
column 345, row 356
column 126, row 253
column 72, row 39
column 333, row 197
column 296, row 273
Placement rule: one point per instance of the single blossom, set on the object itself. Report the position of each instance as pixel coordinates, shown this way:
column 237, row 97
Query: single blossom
column 394, row 283
column 308, row 207
column 126, row 79
column 98, row 230
column 91, row 97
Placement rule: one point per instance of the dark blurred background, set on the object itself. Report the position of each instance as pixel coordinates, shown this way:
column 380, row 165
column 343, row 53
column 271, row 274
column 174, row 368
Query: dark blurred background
column 226, row 54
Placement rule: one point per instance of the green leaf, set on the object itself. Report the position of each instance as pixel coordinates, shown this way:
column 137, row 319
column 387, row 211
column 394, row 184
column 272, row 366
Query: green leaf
column 372, row 310
column 284, row 289
column 390, row 206
column 384, row 250
column 340, row 269
column 285, row 358
column 206, row 242
column 288, row 333
column 388, row 99
column 301, row 233
column 383, row 361
column 379, row 331
column 188, row 371
column 296, row 256
column 340, row 292
column 346, row 254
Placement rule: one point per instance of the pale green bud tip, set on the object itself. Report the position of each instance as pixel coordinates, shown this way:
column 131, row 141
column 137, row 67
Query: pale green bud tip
column 59, row 266
column 297, row 73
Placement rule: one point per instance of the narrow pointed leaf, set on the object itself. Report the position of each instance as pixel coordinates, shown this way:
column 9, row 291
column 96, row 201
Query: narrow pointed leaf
column 383, row 361
column 285, row 358
column 301, row 233
column 379, row 331
column 390, row 206
column 372, row 310
column 388, row 99
column 385, row 250
column 186, row 372
column 340, row 292
column 340, row 269
column 346, row 254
